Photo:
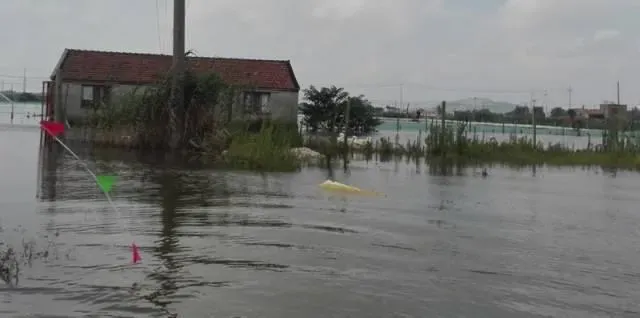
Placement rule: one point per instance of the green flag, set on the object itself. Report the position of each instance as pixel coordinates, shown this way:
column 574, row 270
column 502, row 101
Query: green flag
column 106, row 182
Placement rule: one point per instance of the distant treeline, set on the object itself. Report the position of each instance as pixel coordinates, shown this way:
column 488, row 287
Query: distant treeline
column 521, row 115
column 21, row 97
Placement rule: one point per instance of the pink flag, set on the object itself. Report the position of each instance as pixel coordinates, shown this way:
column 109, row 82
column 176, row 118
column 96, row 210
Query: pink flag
column 52, row 128
column 135, row 253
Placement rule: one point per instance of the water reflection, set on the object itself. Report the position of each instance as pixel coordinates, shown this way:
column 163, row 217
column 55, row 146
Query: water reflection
column 446, row 168
column 171, row 191
column 50, row 154
column 229, row 243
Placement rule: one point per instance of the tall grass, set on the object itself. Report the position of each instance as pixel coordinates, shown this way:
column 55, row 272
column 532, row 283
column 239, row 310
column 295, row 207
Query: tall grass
column 147, row 114
column 268, row 149
column 453, row 144
column 12, row 259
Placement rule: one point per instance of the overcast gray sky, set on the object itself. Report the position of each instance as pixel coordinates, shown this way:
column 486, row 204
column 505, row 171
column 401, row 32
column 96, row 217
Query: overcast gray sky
column 437, row 49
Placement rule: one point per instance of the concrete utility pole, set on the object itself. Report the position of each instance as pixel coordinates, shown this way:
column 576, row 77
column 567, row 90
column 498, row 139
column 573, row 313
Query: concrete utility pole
column 534, row 141
column 12, row 103
column 24, row 81
column 346, row 134
column 177, row 91
column 58, row 108
column 545, row 102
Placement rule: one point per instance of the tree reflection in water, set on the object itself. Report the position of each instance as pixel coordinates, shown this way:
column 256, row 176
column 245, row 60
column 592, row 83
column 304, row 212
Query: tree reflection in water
column 168, row 243
column 178, row 192
column 183, row 198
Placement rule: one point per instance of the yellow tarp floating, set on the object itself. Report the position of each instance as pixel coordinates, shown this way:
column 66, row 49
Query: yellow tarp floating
column 343, row 188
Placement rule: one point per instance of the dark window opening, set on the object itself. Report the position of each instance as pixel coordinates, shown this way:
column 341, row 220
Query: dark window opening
column 94, row 96
column 257, row 102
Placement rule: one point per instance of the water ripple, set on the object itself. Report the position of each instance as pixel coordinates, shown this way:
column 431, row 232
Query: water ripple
column 273, row 245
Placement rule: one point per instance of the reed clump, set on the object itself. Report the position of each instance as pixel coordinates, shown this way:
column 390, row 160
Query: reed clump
column 263, row 146
column 12, row 259
column 452, row 144
column 144, row 118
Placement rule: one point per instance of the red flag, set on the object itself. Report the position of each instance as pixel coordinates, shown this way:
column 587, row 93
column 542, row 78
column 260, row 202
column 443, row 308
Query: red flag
column 51, row 127
column 135, row 253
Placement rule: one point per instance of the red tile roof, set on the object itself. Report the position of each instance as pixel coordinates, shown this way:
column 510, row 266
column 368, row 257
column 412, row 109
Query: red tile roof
column 141, row 69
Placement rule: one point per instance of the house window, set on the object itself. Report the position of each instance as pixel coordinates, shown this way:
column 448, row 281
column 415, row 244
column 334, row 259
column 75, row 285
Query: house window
column 95, row 95
column 264, row 103
column 257, row 102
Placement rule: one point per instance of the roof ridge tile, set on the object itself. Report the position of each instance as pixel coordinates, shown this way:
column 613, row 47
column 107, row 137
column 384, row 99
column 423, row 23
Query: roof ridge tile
column 144, row 68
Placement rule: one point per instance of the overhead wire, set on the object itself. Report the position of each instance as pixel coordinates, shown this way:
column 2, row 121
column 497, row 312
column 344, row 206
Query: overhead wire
column 158, row 25
column 444, row 89
column 21, row 76
column 166, row 19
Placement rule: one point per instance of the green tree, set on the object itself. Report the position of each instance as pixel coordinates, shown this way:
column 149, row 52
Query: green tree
column 575, row 123
column 321, row 107
column 635, row 113
column 557, row 112
column 362, row 119
column 324, row 110
column 27, row 97
column 484, row 115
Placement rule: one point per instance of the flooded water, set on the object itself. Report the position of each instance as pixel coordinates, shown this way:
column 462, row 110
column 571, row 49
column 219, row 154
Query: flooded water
column 411, row 131
column 22, row 113
column 562, row 243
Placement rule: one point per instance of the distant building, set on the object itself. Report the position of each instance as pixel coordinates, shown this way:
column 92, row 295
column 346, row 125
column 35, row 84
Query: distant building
column 92, row 78
column 610, row 109
column 587, row 113
column 593, row 114
column 430, row 113
column 578, row 113
column 391, row 109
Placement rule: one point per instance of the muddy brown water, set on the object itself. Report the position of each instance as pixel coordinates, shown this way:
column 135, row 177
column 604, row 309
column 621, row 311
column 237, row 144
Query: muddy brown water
column 562, row 243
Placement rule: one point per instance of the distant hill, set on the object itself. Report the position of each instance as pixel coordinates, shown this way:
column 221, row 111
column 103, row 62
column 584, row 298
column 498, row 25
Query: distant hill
column 480, row 103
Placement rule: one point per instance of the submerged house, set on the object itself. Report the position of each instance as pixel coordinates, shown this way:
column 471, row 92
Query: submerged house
column 91, row 79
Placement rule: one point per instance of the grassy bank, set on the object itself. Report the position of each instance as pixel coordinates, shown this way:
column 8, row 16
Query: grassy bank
column 256, row 145
column 451, row 145
column 516, row 151
column 267, row 147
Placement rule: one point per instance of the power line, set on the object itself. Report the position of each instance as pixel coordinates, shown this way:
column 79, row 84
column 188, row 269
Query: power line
column 412, row 103
column 158, row 25
column 483, row 90
column 166, row 13
column 22, row 77
column 443, row 89
column 361, row 85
